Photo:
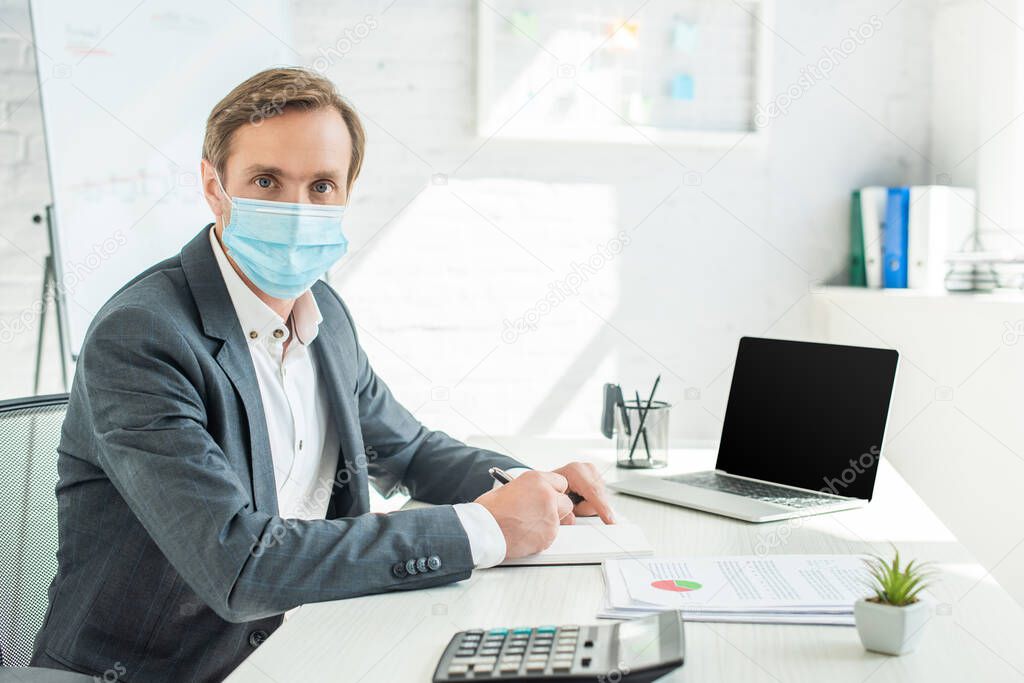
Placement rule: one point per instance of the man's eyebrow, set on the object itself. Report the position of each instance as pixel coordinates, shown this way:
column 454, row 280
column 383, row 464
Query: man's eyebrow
column 260, row 168
column 330, row 174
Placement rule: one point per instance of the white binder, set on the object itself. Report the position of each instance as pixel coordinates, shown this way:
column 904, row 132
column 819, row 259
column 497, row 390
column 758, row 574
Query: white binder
column 942, row 222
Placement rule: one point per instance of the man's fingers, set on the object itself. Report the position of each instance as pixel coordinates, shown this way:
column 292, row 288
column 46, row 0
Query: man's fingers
column 568, row 519
column 564, row 506
column 556, row 480
column 591, row 487
column 599, row 502
column 586, row 509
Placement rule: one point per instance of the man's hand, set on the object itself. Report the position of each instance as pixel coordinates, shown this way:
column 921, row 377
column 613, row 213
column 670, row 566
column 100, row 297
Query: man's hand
column 584, row 479
column 529, row 509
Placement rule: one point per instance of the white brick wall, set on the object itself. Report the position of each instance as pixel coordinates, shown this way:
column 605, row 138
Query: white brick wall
column 24, row 191
column 435, row 270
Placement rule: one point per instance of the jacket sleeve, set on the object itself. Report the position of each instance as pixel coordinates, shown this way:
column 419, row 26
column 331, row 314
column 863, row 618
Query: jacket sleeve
column 430, row 465
column 144, row 387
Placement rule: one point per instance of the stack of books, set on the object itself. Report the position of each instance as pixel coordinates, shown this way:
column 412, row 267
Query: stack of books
column 754, row 589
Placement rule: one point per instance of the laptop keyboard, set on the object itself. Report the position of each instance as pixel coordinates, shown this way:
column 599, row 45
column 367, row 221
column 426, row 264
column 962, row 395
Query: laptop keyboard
column 769, row 493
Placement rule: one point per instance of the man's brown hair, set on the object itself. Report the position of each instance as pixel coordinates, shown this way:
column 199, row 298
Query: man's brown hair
column 270, row 93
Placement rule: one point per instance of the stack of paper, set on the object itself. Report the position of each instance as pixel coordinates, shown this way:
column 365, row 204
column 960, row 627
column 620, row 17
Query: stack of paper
column 590, row 541
column 779, row 589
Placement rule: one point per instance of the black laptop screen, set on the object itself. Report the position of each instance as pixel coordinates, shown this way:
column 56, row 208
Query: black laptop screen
column 808, row 415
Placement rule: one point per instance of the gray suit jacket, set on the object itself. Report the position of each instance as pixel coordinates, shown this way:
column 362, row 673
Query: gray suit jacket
column 173, row 561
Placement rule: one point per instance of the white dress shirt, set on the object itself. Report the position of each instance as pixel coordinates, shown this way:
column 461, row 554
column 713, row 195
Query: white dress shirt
column 304, row 444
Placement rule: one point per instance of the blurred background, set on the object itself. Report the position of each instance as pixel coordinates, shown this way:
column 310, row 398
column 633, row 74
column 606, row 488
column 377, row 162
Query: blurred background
column 558, row 197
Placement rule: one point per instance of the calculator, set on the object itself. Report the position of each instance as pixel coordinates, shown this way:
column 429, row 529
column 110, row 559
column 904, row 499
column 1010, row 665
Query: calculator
column 630, row 651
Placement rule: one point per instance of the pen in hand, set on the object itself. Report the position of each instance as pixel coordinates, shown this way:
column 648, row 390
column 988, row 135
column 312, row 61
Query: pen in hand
column 503, row 477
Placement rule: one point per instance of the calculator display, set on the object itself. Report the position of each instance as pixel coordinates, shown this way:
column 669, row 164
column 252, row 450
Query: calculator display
column 639, row 643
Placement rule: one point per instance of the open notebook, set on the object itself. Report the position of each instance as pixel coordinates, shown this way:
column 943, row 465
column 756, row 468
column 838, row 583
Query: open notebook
column 590, row 541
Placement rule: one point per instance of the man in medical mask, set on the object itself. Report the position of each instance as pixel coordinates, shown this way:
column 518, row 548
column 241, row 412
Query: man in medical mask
column 224, row 424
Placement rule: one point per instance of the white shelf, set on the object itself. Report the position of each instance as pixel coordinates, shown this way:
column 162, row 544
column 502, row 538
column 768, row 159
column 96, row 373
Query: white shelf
column 864, row 293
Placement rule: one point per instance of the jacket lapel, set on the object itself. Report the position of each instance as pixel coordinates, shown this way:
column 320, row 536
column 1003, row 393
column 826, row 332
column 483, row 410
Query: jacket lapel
column 221, row 322
column 344, row 409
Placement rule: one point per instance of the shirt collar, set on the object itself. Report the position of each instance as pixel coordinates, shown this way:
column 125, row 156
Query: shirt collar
column 259, row 321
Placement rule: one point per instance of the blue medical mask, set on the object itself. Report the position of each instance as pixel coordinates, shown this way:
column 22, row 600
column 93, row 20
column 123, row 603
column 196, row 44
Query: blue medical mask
column 283, row 247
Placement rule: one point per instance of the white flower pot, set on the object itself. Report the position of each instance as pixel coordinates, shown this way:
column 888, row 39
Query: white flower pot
column 888, row 629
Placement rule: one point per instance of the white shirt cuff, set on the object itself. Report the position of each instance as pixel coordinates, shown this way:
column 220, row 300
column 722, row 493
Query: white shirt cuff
column 486, row 542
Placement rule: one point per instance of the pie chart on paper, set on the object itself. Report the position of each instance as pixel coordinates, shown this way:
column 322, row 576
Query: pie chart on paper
column 676, row 585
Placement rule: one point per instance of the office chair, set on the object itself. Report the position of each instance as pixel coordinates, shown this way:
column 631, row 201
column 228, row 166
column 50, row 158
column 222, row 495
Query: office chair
column 29, row 432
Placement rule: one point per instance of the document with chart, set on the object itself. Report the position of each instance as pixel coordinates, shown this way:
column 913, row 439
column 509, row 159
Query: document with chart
column 808, row 589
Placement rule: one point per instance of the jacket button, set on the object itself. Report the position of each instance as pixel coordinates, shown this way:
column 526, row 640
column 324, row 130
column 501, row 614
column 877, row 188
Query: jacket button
column 421, row 565
column 256, row 638
column 399, row 570
column 410, row 567
column 433, row 563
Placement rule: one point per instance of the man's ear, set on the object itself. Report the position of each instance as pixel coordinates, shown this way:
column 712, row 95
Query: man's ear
column 211, row 190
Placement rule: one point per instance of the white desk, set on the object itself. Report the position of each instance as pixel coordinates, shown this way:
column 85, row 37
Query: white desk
column 976, row 632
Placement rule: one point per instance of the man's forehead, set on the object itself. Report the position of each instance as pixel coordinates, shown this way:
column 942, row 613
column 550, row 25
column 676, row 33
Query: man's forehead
column 294, row 143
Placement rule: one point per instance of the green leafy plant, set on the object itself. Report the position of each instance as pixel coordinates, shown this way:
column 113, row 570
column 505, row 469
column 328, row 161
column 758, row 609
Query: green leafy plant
column 894, row 584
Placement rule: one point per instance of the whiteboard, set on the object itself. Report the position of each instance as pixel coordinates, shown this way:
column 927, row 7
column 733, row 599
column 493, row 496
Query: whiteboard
column 126, row 88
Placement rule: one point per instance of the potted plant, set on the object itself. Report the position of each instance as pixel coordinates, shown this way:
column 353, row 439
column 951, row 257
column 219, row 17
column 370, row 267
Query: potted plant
column 891, row 621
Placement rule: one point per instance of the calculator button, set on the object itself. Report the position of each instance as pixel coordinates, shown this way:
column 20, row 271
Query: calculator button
column 562, row 666
column 585, row 661
column 458, row 670
column 507, row 667
column 489, row 652
column 522, row 630
column 572, row 627
column 546, row 629
column 536, row 666
column 588, row 643
column 515, row 650
column 497, row 631
column 483, row 668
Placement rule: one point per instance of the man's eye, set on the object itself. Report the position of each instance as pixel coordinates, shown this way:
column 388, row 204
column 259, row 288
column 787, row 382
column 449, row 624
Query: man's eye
column 322, row 187
column 264, row 182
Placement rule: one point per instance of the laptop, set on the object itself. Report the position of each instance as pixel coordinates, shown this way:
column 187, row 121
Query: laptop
column 802, row 434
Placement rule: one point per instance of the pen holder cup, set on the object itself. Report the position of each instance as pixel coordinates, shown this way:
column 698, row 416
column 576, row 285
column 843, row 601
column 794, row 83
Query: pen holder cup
column 646, row 449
